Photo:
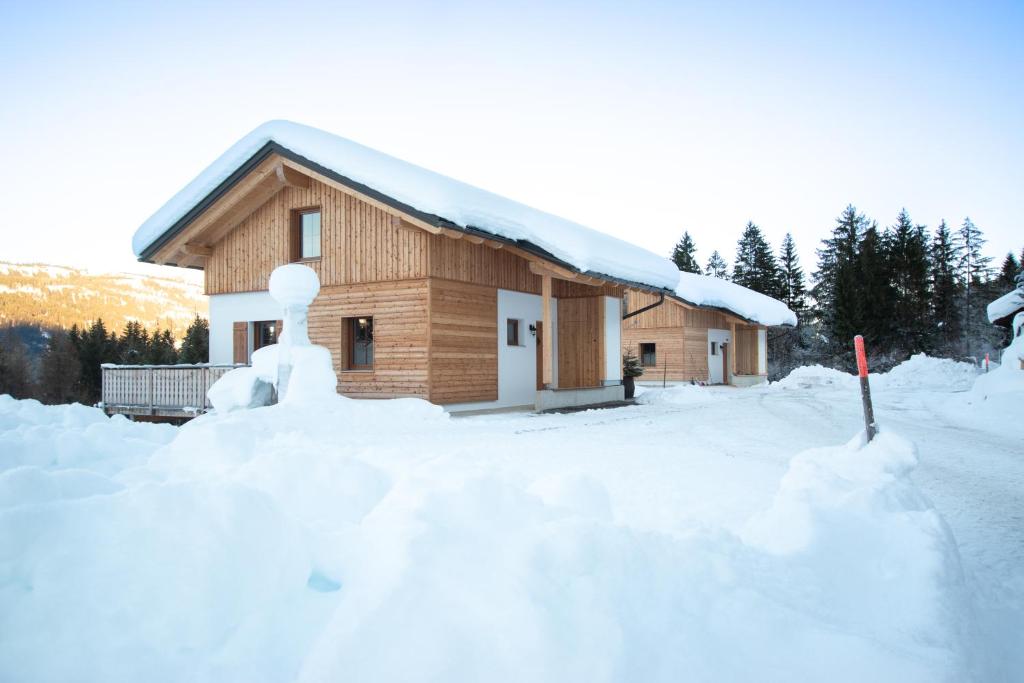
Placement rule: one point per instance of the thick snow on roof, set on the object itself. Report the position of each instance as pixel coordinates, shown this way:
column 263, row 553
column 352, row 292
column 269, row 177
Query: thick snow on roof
column 428, row 192
column 703, row 290
column 1007, row 304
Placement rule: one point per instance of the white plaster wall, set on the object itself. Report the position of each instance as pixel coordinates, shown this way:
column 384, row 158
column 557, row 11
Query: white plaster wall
column 226, row 309
column 517, row 365
column 612, row 340
column 715, row 371
column 762, row 352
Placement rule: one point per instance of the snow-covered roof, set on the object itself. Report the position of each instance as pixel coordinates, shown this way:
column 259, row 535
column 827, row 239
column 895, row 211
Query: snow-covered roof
column 1006, row 305
column 431, row 193
column 703, row 290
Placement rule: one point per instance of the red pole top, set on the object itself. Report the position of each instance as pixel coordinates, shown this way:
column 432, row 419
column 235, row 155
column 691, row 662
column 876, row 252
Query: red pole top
column 862, row 359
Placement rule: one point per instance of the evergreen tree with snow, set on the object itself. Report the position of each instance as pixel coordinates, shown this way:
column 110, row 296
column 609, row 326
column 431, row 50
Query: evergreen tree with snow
column 195, row 348
column 684, row 255
column 905, row 251
column 793, row 290
column 945, row 291
column 974, row 272
column 717, row 267
column 836, row 289
column 755, row 266
column 94, row 346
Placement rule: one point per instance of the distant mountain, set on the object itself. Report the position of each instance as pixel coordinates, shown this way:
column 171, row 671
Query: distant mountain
column 58, row 297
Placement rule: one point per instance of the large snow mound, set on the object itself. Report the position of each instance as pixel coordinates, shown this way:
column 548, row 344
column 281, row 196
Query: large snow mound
column 704, row 290
column 313, row 542
column 813, row 377
column 925, row 372
column 428, row 192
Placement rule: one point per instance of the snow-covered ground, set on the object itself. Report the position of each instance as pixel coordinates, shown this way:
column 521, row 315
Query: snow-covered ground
column 707, row 534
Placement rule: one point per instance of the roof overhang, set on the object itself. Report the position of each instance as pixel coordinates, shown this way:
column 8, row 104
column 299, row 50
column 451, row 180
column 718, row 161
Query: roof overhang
column 189, row 240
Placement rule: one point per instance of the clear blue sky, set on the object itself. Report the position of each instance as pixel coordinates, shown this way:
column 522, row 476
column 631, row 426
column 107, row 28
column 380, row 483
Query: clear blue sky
column 639, row 119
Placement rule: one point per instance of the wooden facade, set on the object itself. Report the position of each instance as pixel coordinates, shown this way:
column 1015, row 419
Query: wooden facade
column 430, row 291
column 680, row 335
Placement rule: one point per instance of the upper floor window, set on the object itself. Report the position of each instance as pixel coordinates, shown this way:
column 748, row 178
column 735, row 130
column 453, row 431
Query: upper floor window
column 305, row 236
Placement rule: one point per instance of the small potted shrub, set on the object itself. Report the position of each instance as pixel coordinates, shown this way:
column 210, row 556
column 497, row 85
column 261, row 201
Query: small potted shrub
column 631, row 369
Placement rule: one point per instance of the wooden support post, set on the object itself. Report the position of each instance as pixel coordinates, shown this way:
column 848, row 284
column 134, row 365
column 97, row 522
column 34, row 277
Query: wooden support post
column 149, row 389
column 546, row 332
column 732, row 353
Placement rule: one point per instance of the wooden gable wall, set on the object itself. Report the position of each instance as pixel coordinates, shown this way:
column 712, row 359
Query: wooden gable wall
column 359, row 243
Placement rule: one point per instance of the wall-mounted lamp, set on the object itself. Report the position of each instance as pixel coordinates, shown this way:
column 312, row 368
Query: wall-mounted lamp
column 533, row 330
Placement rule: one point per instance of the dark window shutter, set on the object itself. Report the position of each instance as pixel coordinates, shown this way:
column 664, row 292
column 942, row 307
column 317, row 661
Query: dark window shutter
column 241, row 342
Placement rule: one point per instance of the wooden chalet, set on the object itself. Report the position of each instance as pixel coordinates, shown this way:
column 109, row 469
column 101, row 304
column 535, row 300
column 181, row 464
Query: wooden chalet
column 415, row 300
column 707, row 331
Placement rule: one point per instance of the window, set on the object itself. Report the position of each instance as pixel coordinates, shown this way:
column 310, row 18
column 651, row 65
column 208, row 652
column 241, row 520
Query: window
column 648, row 358
column 714, row 348
column 264, row 333
column 305, row 236
column 512, row 335
column 358, row 334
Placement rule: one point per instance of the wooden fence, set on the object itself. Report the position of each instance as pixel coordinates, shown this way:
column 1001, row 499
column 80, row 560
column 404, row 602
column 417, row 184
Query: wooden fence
column 159, row 390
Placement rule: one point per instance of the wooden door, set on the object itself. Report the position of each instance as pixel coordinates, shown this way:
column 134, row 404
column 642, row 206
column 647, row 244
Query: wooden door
column 725, row 363
column 540, row 355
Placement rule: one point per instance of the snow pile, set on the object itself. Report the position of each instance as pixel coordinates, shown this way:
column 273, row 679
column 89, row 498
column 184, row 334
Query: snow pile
column 427, row 192
column 313, row 541
column 997, row 396
column 1006, row 305
column 815, row 377
column 678, row 395
column 925, row 372
column 72, row 437
column 703, row 290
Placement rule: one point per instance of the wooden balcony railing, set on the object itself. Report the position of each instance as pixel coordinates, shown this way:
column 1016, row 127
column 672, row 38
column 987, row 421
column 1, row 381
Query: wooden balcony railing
column 159, row 390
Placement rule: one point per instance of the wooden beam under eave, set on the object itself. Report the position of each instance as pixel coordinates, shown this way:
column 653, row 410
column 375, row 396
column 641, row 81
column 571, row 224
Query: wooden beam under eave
column 538, row 267
column 291, row 177
column 452, row 234
column 473, row 239
column 193, row 249
column 547, row 334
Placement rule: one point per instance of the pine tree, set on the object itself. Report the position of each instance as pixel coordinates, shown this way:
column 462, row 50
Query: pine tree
column 793, row 291
column 836, row 289
column 871, row 310
column 717, row 267
column 161, row 349
column 15, row 365
column 905, row 251
column 195, row 348
column 684, row 255
column 1009, row 270
column 133, row 345
column 974, row 273
column 95, row 346
column 60, row 371
column 755, row 267
column 945, row 312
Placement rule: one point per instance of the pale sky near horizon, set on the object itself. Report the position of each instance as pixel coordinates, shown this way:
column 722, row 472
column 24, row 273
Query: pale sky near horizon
column 638, row 119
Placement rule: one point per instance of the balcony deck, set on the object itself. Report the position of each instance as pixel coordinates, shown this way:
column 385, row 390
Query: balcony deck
column 159, row 391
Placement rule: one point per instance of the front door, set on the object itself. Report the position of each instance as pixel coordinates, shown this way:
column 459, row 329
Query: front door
column 717, row 369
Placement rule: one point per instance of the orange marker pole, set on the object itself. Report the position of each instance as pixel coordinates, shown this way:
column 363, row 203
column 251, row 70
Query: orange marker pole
column 865, row 389
column 986, row 362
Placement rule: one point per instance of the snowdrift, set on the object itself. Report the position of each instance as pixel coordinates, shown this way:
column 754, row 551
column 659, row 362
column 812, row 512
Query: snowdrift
column 380, row 540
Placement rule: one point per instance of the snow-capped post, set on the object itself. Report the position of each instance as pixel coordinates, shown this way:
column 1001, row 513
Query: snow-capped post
column 294, row 286
column 865, row 389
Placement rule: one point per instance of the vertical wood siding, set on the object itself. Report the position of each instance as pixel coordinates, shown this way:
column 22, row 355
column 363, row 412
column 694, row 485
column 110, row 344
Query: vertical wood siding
column 359, row 243
column 400, row 336
column 463, row 342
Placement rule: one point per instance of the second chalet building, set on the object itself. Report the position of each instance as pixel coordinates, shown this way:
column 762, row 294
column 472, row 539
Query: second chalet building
column 430, row 287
